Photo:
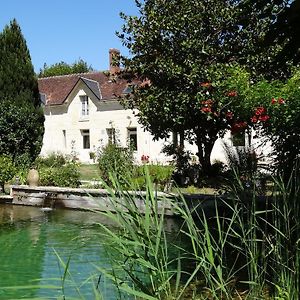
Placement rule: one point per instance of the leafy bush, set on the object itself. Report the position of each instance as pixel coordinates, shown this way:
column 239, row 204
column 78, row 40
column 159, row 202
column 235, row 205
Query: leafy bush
column 63, row 176
column 54, row 159
column 7, row 170
column 57, row 170
column 159, row 174
column 117, row 160
column 185, row 171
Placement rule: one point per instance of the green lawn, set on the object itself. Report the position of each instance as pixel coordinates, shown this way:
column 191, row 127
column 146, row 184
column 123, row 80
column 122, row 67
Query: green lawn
column 89, row 172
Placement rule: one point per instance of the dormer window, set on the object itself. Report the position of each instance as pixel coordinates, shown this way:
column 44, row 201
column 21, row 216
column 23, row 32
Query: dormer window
column 84, row 106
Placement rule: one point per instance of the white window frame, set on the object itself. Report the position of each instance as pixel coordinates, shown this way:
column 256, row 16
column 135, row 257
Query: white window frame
column 84, row 109
column 86, row 141
column 132, row 132
column 111, row 135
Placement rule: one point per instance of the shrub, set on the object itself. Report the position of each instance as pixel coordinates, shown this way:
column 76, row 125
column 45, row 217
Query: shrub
column 54, row 159
column 63, row 176
column 7, row 170
column 57, row 170
column 117, row 160
column 159, row 174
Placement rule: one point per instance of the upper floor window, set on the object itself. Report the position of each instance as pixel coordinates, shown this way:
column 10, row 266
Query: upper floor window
column 84, row 106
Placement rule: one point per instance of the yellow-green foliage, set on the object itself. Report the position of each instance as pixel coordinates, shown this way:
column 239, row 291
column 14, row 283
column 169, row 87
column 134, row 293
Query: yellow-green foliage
column 7, row 169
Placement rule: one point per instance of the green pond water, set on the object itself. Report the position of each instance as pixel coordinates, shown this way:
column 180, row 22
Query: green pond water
column 29, row 265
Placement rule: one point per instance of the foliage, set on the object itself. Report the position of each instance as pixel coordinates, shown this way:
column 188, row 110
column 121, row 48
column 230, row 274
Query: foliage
column 141, row 258
column 21, row 130
column 160, row 175
column 7, row 170
column 182, row 49
column 63, row 176
column 284, row 32
column 57, row 170
column 62, row 68
column 182, row 162
column 18, row 81
column 249, row 251
column 280, row 101
column 54, row 159
column 22, row 119
column 118, row 160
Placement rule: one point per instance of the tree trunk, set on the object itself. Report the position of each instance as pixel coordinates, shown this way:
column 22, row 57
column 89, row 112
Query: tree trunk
column 204, row 151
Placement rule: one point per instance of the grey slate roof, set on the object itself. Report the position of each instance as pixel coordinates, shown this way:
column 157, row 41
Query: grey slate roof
column 93, row 86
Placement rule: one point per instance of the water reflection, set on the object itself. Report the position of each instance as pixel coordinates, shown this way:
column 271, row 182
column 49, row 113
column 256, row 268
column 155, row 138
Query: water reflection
column 29, row 241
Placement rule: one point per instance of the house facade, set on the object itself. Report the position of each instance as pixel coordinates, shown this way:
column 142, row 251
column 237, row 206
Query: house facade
column 83, row 113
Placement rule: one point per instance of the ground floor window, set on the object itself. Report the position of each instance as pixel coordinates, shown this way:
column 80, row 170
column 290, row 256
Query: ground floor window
column 64, row 138
column 111, row 135
column 85, row 138
column 132, row 138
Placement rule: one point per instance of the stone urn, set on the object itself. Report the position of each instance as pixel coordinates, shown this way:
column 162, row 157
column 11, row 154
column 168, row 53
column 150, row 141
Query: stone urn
column 33, row 177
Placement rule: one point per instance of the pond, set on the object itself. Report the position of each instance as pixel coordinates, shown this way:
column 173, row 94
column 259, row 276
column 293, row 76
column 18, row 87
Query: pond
column 30, row 240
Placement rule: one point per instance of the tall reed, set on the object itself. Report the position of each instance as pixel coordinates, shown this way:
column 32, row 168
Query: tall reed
column 249, row 249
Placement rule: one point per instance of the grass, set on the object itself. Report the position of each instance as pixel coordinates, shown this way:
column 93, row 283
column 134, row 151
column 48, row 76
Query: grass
column 197, row 190
column 89, row 172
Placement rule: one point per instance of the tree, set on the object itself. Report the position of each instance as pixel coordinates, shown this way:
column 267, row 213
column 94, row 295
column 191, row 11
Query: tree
column 21, row 120
column 280, row 104
column 62, row 68
column 284, row 34
column 179, row 46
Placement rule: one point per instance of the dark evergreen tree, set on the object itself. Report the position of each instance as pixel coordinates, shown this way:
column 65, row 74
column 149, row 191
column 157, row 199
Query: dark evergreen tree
column 21, row 119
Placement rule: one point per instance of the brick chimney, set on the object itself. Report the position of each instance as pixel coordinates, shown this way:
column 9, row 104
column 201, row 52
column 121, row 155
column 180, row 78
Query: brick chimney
column 114, row 61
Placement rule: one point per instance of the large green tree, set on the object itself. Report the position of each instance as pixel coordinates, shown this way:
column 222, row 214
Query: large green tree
column 62, row 68
column 179, row 45
column 21, row 119
column 278, row 48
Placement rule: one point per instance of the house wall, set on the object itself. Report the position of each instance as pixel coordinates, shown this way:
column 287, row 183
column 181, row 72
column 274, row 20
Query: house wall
column 103, row 114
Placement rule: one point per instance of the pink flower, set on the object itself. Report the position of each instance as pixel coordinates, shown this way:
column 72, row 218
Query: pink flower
column 206, row 109
column 229, row 115
column 145, row 159
column 273, row 101
column 238, row 127
column 281, row 101
column 205, row 84
column 264, row 118
column 260, row 111
column 232, row 93
column 254, row 119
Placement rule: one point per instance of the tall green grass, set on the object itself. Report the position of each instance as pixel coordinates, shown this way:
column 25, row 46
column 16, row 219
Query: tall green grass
column 249, row 249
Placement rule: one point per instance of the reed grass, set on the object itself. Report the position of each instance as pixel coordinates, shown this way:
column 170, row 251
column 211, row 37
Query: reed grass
column 249, row 249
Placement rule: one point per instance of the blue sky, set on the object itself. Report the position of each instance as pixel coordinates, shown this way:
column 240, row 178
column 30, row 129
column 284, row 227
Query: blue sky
column 66, row 30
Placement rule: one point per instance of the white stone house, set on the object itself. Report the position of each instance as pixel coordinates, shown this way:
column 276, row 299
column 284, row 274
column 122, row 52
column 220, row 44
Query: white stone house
column 82, row 113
